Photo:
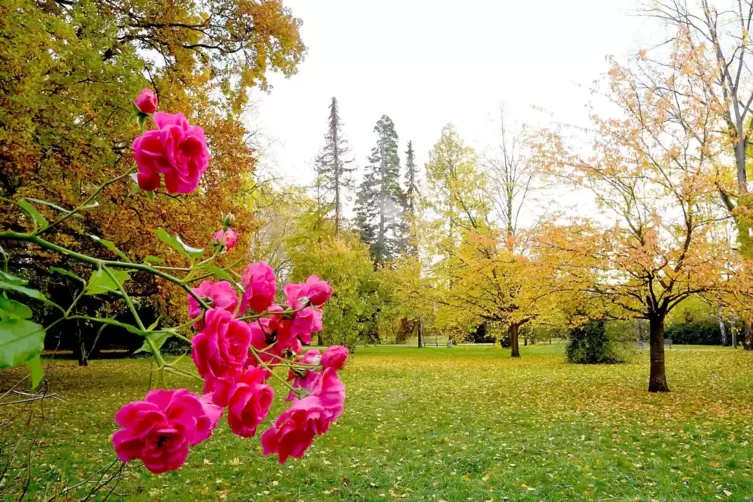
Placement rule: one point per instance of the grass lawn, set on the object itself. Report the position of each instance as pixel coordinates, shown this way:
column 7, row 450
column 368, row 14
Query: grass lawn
column 443, row 424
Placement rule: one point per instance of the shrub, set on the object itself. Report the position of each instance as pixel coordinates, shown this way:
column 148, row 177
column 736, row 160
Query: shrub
column 590, row 344
column 695, row 333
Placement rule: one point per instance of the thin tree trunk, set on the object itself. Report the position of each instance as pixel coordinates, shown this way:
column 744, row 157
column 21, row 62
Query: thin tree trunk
column 420, row 333
column 748, row 342
column 319, row 339
column 513, row 331
column 657, row 381
column 525, row 341
column 722, row 329
column 82, row 359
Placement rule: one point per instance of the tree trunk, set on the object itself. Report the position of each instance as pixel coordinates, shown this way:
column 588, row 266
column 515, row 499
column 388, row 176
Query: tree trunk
column 81, row 344
column 722, row 329
column 748, row 341
column 513, row 331
column 525, row 341
column 657, row 381
column 420, row 333
column 319, row 340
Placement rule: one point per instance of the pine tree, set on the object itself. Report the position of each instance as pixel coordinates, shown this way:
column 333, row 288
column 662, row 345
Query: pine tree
column 380, row 199
column 410, row 200
column 333, row 174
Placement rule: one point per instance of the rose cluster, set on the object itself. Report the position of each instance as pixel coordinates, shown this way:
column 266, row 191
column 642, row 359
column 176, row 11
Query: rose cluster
column 240, row 341
column 242, row 337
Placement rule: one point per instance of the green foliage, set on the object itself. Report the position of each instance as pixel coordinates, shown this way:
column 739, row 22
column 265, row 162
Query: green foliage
column 352, row 314
column 590, row 344
column 704, row 332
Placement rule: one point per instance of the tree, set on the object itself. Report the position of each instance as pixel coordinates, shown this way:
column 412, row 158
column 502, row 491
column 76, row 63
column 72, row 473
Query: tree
column 657, row 179
column 412, row 194
column 68, row 74
column 715, row 43
column 380, row 199
column 510, row 180
column 333, row 173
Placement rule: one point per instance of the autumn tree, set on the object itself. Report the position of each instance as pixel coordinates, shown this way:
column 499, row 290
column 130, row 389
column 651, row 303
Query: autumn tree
column 479, row 279
column 655, row 179
column 334, row 175
column 68, row 74
column 510, row 179
column 712, row 40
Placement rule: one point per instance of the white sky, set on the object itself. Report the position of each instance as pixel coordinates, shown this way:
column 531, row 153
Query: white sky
column 429, row 62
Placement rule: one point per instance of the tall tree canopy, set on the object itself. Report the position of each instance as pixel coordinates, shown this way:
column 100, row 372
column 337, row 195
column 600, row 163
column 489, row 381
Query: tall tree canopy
column 380, row 199
column 334, row 175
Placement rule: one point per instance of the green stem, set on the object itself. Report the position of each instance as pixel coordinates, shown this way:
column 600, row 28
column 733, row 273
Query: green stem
column 272, row 372
column 35, row 239
column 88, row 200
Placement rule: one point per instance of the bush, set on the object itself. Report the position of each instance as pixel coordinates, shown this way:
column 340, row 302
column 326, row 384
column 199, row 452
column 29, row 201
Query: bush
column 695, row 333
column 590, row 344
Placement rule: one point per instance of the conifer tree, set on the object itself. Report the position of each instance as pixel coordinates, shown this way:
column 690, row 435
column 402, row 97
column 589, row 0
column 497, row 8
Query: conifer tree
column 380, row 200
column 412, row 194
column 332, row 167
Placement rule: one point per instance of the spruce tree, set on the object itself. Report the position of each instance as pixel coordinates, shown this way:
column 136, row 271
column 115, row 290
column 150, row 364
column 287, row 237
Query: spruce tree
column 380, row 199
column 410, row 201
column 333, row 174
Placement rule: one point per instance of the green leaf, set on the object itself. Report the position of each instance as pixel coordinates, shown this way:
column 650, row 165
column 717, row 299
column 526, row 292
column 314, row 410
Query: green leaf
column 32, row 293
column 154, row 324
column 154, row 259
column 219, row 272
column 53, row 206
column 35, row 368
column 13, row 309
column 100, row 282
column 32, row 211
column 175, row 242
column 158, row 338
column 111, row 246
column 12, row 279
column 66, row 273
column 20, row 341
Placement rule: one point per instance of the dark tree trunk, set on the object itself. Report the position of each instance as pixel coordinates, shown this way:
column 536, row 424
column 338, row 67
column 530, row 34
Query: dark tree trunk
column 748, row 341
column 319, row 339
column 513, row 331
column 657, row 381
column 525, row 341
column 420, row 333
column 83, row 360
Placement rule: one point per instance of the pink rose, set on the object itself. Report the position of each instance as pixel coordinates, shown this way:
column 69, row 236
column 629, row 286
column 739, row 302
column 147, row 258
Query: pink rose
column 176, row 149
column 331, row 392
column 228, row 238
column 335, row 357
column 249, row 402
column 295, row 429
column 146, row 101
column 160, row 429
column 222, row 346
column 261, row 286
column 221, row 294
column 318, row 291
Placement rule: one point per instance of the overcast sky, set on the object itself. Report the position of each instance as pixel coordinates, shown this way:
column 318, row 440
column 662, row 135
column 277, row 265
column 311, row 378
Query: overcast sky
column 429, row 62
